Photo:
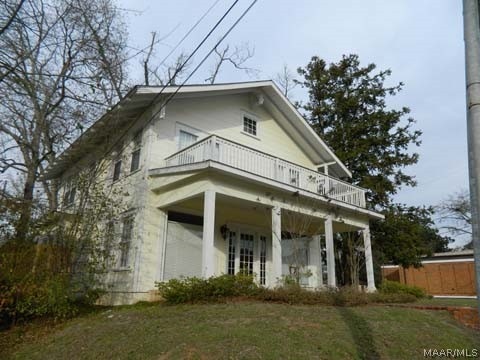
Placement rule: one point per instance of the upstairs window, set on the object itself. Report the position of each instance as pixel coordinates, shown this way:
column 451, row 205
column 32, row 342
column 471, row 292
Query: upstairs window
column 249, row 126
column 69, row 195
column 186, row 139
column 135, row 164
column 137, row 144
column 117, row 170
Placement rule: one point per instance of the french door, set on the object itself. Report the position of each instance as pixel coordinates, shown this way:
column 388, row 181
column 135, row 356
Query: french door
column 247, row 254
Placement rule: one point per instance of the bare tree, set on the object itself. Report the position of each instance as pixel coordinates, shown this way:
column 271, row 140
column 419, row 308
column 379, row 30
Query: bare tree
column 237, row 57
column 146, row 60
column 302, row 223
column 455, row 214
column 286, row 80
column 71, row 70
column 8, row 13
column 161, row 73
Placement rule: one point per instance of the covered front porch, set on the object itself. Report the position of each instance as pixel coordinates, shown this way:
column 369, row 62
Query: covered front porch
column 223, row 225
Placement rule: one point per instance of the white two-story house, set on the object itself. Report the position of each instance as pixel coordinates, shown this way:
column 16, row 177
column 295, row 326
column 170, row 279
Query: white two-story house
column 222, row 179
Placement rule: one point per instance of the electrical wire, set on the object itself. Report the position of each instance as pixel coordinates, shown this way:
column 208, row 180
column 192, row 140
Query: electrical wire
column 157, row 96
column 206, row 56
column 188, row 33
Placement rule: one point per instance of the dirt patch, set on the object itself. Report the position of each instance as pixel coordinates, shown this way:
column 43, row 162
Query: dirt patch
column 467, row 316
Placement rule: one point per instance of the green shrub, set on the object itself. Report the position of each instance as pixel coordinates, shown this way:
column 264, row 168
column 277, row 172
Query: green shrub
column 297, row 295
column 34, row 297
column 193, row 289
column 346, row 296
column 393, row 287
column 390, row 298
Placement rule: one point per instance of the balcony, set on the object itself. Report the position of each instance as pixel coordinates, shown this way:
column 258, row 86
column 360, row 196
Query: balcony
column 256, row 162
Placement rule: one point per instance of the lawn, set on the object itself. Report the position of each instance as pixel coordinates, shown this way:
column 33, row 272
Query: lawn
column 448, row 302
column 242, row 331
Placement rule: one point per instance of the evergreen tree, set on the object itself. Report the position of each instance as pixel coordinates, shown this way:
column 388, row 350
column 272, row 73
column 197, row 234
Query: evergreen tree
column 347, row 107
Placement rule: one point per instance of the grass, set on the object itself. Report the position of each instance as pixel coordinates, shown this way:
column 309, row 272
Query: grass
column 247, row 330
column 448, row 302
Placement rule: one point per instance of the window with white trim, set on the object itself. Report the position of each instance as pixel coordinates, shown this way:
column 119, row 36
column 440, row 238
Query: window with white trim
column 185, row 139
column 117, row 170
column 231, row 253
column 246, row 254
column 250, row 125
column 263, row 259
column 69, row 194
column 137, row 144
column 125, row 242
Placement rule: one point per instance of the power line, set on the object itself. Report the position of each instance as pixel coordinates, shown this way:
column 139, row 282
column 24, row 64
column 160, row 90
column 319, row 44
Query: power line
column 206, row 56
column 189, row 32
column 180, row 68
column 157, row 96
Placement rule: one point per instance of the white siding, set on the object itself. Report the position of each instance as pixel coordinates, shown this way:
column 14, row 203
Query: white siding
column 223, row 116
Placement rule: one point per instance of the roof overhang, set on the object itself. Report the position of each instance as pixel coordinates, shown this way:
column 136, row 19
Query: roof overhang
column 141, row 98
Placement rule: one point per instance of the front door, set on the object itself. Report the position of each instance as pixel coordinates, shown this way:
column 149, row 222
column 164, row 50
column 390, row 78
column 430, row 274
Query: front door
column 247, row 254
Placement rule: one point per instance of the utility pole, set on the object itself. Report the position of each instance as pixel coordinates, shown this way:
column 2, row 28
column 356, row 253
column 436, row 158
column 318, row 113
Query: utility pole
column 471, row 26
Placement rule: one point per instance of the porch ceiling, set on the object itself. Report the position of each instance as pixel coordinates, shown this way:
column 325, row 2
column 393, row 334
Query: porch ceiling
column 231, row 209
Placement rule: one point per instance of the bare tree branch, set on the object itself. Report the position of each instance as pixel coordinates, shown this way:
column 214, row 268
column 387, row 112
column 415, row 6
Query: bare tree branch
column 146, row 71
column 236, row 57
column 286, row 80
column 455, row 214
column 10, row 17
column 63, row 60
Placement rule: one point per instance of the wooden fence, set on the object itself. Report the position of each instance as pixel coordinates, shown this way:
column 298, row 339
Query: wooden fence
column 437, row 278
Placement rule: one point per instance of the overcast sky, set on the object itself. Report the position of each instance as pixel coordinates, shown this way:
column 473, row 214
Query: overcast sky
column 420, row 41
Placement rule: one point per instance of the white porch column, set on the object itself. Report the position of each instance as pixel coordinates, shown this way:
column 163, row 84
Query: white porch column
column 368, row 259
column 331, row 280
column 316, row 261
column 208, row 263
column 276, row 246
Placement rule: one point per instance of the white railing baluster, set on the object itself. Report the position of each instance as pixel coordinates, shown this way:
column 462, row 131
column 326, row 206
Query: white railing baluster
column 241, row 157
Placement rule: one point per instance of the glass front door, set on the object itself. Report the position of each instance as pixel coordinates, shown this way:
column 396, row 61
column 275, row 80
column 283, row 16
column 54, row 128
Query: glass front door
column 247, row 254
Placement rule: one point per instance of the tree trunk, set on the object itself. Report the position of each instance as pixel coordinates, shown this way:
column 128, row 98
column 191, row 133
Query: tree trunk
column 26, row 208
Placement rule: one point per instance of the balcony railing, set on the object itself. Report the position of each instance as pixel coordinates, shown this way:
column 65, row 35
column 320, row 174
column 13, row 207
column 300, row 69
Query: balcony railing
column 244, row 158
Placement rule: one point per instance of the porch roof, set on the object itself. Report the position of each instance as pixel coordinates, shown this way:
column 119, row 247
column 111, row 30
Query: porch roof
column 211, row 165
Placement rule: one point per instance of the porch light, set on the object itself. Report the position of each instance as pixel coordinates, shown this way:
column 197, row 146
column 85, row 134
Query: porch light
column 224, row 231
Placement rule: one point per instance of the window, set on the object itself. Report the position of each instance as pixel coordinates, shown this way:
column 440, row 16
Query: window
column 137, row 144
column 69, row 192
column 186, row 139
column 263, row 259
column 231, row 253
column 69, row 195
column 135, row 160
column 249, row 126
column 246, row 254
column 125, row 242
column 108, row 243
column 117, row 170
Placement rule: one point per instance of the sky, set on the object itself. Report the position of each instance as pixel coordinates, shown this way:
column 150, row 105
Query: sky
column 420, row 41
